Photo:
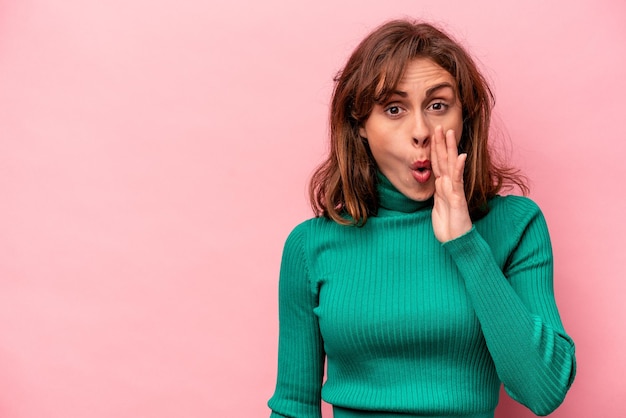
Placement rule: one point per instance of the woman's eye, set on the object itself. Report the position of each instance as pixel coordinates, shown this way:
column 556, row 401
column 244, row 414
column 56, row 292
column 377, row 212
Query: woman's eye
column 393, row 110
column 438, row 106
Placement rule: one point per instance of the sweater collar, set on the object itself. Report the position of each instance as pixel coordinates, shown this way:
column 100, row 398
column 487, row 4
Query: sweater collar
column 391, row 200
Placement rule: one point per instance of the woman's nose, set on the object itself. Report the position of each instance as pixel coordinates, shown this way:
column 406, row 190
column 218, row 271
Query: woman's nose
column 421, row 130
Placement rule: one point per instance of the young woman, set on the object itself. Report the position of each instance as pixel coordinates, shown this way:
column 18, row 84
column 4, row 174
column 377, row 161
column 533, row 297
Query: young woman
column 420, row 286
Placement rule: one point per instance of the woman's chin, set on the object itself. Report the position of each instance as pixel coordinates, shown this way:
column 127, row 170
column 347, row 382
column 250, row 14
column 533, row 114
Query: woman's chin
column 421, row 195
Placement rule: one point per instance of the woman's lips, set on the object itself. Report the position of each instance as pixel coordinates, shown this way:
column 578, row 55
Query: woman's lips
column 421, row 171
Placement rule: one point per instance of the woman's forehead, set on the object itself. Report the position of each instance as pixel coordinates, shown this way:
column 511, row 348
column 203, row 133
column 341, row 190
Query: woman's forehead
column 424, row 72
column 417, row 73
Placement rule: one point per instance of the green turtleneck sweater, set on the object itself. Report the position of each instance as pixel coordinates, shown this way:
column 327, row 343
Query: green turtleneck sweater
column 410, row 327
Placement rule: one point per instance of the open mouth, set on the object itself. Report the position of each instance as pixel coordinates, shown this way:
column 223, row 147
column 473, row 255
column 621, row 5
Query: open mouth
column 421, row 171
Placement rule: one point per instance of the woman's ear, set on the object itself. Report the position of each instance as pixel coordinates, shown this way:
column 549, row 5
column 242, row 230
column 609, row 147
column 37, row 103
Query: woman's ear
column 362, row 132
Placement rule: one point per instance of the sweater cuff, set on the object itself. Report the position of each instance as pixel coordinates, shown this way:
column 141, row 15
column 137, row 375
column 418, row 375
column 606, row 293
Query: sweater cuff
column 462, row 243
column 469, row 251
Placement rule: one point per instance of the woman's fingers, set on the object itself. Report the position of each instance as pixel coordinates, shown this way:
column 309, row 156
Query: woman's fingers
column 445, row 159
column 451, row 151
column 450, row 215
column 438, row 153
column 459, row 169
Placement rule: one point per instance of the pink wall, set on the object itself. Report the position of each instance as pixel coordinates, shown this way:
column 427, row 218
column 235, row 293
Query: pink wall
column 154, row 155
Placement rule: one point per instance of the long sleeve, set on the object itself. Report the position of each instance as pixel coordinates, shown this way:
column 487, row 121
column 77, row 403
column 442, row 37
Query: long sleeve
column 300, row 347
column 515, row 306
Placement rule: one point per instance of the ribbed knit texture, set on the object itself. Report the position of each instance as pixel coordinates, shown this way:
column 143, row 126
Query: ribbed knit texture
column 412, row 327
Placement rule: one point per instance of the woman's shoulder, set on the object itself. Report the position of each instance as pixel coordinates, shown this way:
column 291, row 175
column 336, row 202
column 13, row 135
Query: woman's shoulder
column 312, row 223
column 305, row 228
column 513, row 206
column 512, row 214
column 512, row 219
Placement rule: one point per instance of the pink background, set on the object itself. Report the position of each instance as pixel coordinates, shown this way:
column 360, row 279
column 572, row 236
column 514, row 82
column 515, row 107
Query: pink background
column 154, row 156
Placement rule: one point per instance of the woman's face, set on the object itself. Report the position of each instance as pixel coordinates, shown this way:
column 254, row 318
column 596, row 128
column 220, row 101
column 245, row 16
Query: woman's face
column 400, row 131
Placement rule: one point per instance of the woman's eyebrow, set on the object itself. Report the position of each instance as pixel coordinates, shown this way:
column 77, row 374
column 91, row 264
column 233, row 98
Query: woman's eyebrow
column 431, row 90
column 400, row 93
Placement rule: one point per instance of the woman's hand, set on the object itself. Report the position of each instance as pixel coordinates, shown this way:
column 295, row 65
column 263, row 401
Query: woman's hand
column 451, row 217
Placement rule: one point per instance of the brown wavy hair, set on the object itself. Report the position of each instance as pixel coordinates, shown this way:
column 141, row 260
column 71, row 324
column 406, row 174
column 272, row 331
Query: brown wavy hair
column 343, row 187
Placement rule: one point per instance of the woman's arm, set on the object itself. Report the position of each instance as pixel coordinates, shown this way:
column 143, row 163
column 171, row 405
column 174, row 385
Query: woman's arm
column 300, row 347
column 533, row 355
